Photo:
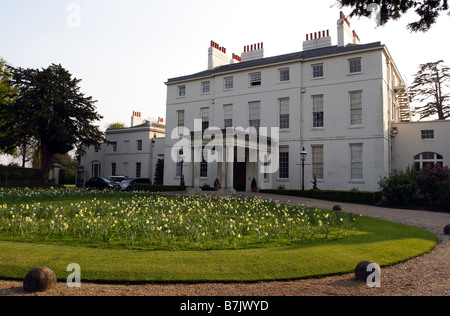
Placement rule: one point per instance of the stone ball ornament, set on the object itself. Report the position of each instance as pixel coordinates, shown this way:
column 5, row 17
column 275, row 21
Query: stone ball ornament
column 40, row 279
column 447, row 230
column 369, row 272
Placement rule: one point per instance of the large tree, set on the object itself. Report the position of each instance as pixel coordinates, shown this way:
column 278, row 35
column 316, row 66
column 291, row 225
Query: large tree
column 429, row 87
column 427, row 10
column 51, row 108
column 7, row 96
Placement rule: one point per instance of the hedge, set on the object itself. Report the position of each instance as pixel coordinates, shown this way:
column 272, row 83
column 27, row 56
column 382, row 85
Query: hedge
column 162, row 188
column 359, row 197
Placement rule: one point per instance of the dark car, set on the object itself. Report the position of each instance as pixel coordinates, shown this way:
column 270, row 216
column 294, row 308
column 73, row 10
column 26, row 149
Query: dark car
column 101, row 184
column 134, row 184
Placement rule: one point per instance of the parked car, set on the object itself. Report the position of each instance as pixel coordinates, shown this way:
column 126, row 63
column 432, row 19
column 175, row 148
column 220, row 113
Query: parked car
column 134, row 184
column 117, row 179
column 101, row 184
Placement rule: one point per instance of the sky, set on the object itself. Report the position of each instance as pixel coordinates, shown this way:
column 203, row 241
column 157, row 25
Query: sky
column 124, row 51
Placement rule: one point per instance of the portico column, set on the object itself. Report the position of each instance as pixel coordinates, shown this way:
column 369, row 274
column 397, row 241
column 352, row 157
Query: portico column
column 220, row 167
column 230, row 166
column 196, row 169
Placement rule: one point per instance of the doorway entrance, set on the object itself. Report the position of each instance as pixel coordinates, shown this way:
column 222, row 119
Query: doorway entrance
column 239, row 176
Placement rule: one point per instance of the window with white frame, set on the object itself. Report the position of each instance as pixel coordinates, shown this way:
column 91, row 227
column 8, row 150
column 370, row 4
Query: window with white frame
column 181, row 91
column 180, row 121
column 138, row 169
column 356, row 152
column 356, row 117
column 139, row 145
column 114, row 146
column 255, row 114
column 125, row 169
column 206, row 87
column 229, row 83
column 255, row 79
column 318, row 116
column 428, row 160
column 228, row 115
column 204, row 113
column 204, row 167
column 179, row 167
column 317, row 71
column 96, row 169
column 355, row 65
column 427, row 134
column 317, row 161
column 113, row 169
column 180, row 115
column 283, row 171
column 284, row 113
column 284, row 75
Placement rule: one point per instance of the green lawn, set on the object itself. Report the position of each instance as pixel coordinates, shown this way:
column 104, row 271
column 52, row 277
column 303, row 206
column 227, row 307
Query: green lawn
column 380, row 241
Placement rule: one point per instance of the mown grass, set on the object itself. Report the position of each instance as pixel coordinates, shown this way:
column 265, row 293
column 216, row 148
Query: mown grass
column 380, row 241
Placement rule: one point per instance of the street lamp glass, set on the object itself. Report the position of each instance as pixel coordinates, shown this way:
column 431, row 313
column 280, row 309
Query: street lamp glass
column 303, row 154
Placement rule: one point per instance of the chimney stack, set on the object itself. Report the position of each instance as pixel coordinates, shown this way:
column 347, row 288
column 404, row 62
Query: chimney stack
column 317, row 40
column 217, row 56
column 252, row 52
column 235, row 59
column 136, row 119
column 345, row 35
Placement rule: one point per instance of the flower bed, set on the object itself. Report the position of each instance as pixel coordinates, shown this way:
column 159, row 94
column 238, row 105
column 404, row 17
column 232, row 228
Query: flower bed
column 173, row 223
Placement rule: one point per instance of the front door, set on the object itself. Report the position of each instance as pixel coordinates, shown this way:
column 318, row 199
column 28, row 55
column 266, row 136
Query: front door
column 239, row 176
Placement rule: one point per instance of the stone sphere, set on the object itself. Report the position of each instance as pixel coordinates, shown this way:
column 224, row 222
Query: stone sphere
column 39, row 280
column 361, row 272
column 337, row 208
column 447, row 230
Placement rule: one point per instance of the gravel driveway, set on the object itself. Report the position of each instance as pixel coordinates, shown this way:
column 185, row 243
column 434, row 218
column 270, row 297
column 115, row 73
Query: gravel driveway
column 427, row 275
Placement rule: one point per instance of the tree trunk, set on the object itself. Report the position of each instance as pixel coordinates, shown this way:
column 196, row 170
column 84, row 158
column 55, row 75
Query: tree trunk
column 46, row 162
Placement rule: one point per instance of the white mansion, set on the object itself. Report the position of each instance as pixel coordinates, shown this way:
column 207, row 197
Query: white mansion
column 346, row 105
column 132, row 152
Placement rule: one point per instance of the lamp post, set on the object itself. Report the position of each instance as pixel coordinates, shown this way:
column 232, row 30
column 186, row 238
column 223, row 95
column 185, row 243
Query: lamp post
column 303, row 155
column 182, row 165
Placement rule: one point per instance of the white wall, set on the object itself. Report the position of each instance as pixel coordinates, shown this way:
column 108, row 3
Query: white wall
column 126, row 154
column 409, row 143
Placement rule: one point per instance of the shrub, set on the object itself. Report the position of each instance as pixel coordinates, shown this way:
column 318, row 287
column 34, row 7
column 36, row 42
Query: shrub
column 400, row 188
column 444, row 194
column 428, row 180
column 162, row 188
column 369, row 198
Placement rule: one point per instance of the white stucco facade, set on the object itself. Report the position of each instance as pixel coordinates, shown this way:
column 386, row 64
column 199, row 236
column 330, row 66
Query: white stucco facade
column 337, row 102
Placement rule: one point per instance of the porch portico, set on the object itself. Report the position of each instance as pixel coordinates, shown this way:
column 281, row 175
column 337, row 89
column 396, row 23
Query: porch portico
column 239, row 156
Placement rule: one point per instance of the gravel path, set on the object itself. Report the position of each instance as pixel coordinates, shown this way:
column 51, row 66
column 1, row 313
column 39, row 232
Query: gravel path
column 427, row 275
